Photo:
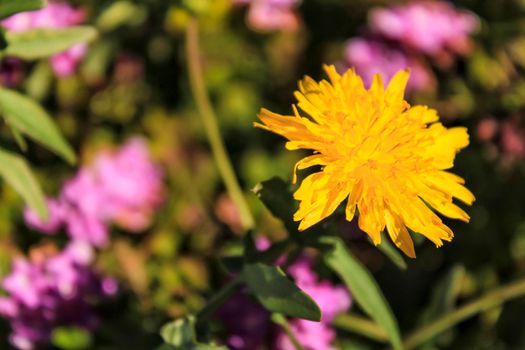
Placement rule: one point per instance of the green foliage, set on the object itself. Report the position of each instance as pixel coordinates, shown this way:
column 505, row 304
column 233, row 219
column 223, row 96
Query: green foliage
column 134, row 81
column 39, row 43
column 180, row 334
column 279, row 294
column 120, row 13
column 71, row 338
column 276, row 196
column 10, row 7
column 29, row 118
column 363, row 287
column 17, row 174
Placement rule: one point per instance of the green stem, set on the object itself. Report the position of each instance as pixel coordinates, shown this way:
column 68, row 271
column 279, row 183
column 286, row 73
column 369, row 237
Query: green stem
column 486, row 302
column 218, row 299
column 361, row 325
column 283, row 322
column 209, row 120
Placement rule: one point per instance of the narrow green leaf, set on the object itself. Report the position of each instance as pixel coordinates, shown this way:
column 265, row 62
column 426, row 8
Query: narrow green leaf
column 120, row 13
column 19, row 139
column 16, row 173
column 39, row 43
column 38, row 85
column 363, row 287
column 10, row 7
column 31, row 119
column 279, row 294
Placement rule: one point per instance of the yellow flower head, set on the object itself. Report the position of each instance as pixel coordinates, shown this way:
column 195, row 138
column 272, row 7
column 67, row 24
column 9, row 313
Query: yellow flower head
column 388, row 158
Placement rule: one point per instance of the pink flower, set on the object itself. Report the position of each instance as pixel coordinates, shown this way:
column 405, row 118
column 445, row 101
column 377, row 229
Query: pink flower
column 311, row 335
column 512, row 139
column 124, row 187
column 331, row 299
column 426, row 26
column 65, row 63
column 56, row 15
column 370, row 56
column 49, row 290
column 271, row 15
column 52, row 224
column 131, row 183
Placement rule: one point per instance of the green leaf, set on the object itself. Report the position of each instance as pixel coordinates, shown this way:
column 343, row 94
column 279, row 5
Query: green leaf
column 276, row 196
column 28, row 117
column 120, row 13
column 10, row 7
column 181, row 335
column 179, row 332
column 16, row 173
column 71, row 338
column 363, row 287
column 39, row 43
column 279, row 294
column 19, row 139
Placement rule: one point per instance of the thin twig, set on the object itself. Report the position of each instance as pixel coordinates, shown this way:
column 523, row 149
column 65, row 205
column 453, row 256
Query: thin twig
column 486, row 302
column 209, row 120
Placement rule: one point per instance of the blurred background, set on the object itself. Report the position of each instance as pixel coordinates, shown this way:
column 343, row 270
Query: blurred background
column 125, row 104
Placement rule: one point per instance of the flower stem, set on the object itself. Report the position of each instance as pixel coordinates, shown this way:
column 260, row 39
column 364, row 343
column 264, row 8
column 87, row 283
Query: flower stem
column 218, row 299
column 283, row 322
column 209, row 120
column 486, row 302
column 361, row 325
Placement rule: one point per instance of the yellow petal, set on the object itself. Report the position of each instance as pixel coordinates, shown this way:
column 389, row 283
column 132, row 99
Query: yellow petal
column 399, row 234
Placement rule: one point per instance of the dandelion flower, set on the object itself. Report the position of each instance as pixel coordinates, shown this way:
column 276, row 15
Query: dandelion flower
column 387, row 158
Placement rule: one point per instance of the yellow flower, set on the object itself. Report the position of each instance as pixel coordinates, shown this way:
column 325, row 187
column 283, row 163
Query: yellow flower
column 388, row 159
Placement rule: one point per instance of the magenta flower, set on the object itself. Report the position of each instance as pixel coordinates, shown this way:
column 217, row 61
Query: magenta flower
column 430, row 27
column 311, row 335
column 11, row 72
column 56, row 15
column 52, row 290
column 271, row 15
column 246, row 322
column 332, row 300
column 131, row 183
column 124, row 187
column 371, row 56
column 53, row 222
column 512, row 139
